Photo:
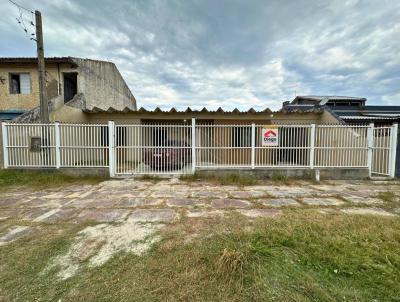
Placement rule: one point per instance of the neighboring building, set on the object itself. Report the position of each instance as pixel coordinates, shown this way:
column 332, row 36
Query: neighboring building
column 78, row 83
column 351, row 111
column 348, row 110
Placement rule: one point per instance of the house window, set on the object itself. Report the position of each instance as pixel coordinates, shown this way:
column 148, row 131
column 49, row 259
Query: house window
column 20, row 83
column 241, row 136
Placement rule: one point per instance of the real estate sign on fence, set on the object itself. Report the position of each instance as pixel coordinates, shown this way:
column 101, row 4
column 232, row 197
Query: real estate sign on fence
column 270, row 136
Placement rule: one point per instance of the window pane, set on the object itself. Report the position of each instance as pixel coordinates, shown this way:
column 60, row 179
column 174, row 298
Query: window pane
column 25, row 82
column 14, row 84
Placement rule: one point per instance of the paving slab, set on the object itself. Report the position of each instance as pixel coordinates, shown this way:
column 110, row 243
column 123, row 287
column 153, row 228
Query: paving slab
column 48, row 203
column 363, row 200
column 139, row 202
column 289, row 192
column 185, row 202
column 10, row 201
column 80, row 203
column 248, row 194
column 10, row 213
column 103, row 215
column 367, row 211
column 57, row 195
column 204, row 213
column 33, row 213
column 102, row 202
column 209, row 194
column 57, row 215
column 134, row 194
column 14, row 233
column 255, row 213
column 230, row 203
column 322, row 201
column 278, row 202
column 153, row 215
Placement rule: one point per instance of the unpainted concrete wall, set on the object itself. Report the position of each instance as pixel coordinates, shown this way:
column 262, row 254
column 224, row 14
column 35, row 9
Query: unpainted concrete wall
column 103, row 85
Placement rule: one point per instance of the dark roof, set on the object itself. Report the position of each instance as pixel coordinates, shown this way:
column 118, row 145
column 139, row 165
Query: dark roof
column 16, row 60
column 378, row 108
column 329, row 97
column 204, row 110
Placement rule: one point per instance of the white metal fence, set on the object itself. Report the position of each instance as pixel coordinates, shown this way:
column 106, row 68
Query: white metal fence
column 183, row 148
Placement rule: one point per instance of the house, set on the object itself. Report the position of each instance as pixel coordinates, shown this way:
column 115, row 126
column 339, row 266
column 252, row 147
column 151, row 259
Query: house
column 348, row 110
column 74, row 83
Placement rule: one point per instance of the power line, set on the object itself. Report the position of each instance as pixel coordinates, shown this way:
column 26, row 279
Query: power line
column 20, row 6
column 21, row 19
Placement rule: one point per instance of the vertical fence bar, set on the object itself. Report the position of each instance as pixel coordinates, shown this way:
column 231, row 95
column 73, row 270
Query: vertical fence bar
column 312, row 146
column 393, row 148
column 193, row 145
column 57, row 145
column 370, row 142
column 111, row 150
column 5, row 144
column 253, row 145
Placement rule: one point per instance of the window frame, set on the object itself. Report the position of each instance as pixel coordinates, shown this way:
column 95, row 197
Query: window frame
column 11, row 74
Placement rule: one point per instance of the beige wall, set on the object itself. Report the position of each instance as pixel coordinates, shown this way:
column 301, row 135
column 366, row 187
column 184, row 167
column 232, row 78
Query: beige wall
column 67, row 114
column 228, row 118
column 29, row 101
column 328, row 118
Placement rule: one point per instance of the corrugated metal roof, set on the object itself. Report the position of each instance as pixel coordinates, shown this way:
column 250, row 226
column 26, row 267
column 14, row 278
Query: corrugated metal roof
column 330, row 97
column 363, row 117
column 204, row 110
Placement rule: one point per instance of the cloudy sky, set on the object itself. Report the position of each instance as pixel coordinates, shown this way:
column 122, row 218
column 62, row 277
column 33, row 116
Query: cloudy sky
column 226, row 53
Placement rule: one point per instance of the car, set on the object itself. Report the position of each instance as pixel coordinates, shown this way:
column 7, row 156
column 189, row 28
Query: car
column 172, row 154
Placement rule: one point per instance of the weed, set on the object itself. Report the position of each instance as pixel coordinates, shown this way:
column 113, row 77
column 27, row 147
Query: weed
column 13, row 179
column 153, row 178
column 299, row 256
column 223, row 179
column 387, row 196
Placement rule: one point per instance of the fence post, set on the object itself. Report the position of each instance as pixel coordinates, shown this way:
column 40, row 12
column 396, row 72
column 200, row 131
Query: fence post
column 312, row 146
column 5, row 144
column 370, row 142
column 253, row 145
column 193, row 145
column 111, row 149
column 393, row 148
column 57, row 133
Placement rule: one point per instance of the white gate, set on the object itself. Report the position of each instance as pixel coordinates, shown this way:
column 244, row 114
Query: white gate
column 384, row 144
column 153, row 149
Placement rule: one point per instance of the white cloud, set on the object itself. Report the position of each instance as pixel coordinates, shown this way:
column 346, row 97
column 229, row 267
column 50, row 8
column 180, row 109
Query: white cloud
column 226, row 53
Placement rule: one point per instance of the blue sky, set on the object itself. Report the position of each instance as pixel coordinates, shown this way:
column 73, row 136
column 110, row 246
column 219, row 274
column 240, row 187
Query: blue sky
column 226, row 53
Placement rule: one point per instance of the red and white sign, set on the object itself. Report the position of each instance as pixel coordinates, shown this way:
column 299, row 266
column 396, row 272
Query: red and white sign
column 270, row 136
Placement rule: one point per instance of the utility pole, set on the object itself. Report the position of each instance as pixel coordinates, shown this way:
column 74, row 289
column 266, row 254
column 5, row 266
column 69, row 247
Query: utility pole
column 44, row 110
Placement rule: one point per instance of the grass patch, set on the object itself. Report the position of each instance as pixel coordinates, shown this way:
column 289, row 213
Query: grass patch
column 300, row 256
column 387, row 196
column 153, row 178
column 223, row 179
column 14, row 179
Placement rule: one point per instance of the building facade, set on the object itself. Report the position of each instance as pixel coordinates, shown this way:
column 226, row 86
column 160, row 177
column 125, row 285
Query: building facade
column 98, row 84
